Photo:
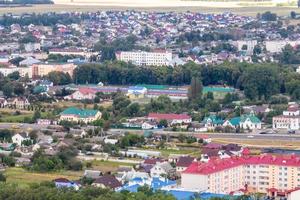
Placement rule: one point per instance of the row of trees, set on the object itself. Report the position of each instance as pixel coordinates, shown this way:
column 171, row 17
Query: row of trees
column 259, row 81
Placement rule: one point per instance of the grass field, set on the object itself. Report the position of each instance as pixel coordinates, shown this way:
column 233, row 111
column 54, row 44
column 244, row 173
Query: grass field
column 6, row 115
column 108, row 166
column 206, row 8
column 23, row 177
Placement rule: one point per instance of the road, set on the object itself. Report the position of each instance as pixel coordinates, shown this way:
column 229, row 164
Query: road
column 244, row 136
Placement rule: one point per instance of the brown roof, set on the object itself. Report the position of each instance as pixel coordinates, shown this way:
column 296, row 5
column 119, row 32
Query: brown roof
column 108, row 181
column 184, row 161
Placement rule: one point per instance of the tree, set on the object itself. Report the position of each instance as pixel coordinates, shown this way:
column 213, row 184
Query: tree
column 14, row 76
column 268, row 16
column 163, row 123
column 7, row 90
column 195, row 89
column 19, row 89
column 2, row 177
column 36, row 115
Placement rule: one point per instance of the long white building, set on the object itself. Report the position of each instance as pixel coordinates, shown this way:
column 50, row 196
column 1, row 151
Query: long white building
column 143, row 58
column 276, row 46
column 272, row 175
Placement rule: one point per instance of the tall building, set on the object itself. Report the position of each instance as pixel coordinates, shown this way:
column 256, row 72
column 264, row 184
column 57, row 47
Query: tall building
column 40, row 70
column 143, row 58
column 264, row 174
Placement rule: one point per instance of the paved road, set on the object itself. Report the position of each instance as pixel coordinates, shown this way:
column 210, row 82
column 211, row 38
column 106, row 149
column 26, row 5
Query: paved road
column 245, row 136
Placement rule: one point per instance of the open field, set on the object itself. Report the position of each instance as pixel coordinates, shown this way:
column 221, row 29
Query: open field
column 207, row 7
column 108, row 166
column 22, row 177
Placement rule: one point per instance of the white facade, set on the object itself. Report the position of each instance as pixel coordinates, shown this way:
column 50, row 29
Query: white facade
column 248, row 124
column 160, row 169
column 249, row 43
column 23, row 71
column 276, row 46
column 143, row 58
column 194, row 181
column 290, row 119
column 294, row 195
column 18, row 139
column 79, row 95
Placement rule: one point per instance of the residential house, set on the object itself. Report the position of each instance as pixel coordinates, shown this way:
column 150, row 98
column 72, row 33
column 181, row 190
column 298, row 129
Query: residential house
column 183, row 162
column 18, row 103
column 80, row 115
column 110, row 141
column 93, row 174
column 65, row 183
column 147, row 125
column 3, row 102
column 172, row 119
column 107, row 181
column 81, row 94
column 156, row 183
column 212, row 122
column 162, row 169
column 245, row 122
column 19, row 138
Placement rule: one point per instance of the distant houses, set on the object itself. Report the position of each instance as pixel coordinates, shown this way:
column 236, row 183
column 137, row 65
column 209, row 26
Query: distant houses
column 80, row 115
column 171, row 118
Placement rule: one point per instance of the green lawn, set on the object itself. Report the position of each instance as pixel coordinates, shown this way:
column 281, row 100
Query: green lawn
column 23, row 177
column 167, row 152
column 8, row 117
column 108, row 166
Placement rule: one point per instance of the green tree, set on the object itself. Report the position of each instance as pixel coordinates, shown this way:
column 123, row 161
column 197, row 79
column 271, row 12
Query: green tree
column 195, row 89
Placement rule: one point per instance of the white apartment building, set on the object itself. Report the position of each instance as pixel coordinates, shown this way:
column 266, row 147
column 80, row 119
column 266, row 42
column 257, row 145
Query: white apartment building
column 276, row 46
column 290, row 119
column 264, row 174
column 143, row 58
column 250, row 44
column 23, row 71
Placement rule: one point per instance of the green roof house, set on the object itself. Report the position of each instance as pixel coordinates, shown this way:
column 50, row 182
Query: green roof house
column 250, row 122
column 245, row 121
column 80, row 115
column 212, row 121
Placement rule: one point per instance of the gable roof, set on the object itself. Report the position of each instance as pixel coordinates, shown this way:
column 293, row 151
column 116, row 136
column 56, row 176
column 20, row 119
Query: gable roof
column 214, row 119
column 108, row 181
column 235, row 121
column 184, row 161
column 251, row 117
column 82, row 113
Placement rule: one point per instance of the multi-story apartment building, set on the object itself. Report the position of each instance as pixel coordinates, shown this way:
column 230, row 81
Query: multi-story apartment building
column 40, row 70
column 276, row 46
column 264, row 174
column 143, row 58
column 290, row 119
column 23, row 71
